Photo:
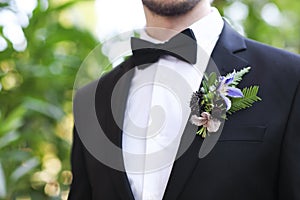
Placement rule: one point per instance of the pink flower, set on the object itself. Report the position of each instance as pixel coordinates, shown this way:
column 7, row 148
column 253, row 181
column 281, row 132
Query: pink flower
column 207, row 121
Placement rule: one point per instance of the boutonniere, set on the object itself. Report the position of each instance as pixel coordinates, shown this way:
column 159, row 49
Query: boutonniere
column 218, row 97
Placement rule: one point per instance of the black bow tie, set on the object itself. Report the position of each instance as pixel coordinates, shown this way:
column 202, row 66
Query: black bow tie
column 182, row 46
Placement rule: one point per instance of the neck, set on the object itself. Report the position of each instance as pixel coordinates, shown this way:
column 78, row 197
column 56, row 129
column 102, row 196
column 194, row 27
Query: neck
column 165, row 27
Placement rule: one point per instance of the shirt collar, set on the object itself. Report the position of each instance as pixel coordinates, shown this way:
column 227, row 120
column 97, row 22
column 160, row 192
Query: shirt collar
column 206, row 30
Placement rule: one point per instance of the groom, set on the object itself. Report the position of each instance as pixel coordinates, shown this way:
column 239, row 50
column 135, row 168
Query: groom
column 258, row 153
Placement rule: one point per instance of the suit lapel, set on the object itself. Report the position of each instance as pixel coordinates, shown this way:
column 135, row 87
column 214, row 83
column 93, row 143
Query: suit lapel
column 229, row 50
column 227, row 56
column 118, row 105
column 115, row 91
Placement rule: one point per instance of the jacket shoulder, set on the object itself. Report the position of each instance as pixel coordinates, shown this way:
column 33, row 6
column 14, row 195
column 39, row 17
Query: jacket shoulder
column 280, row 55
column 273, row 57
column 109, row 77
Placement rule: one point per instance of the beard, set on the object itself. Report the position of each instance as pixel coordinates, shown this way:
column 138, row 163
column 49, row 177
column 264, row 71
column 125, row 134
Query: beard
column 170, row 7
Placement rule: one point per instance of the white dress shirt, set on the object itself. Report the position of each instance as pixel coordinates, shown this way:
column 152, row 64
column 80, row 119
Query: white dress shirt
column 157, row 111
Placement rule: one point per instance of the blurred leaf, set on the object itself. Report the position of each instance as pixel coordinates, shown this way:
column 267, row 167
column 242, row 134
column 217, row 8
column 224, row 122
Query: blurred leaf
column 2, row 5
column 43, row 107
column 15, row 156
column 24, row 168
column 2, row 183
column 8, row 138
column 13, row 121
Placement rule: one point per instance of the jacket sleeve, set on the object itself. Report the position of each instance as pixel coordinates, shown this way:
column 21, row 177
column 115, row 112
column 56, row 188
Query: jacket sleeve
column 289, row 172
column 80, row 187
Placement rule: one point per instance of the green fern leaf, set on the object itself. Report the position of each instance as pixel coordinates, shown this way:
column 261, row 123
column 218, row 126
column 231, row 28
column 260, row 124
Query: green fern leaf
column 250, row 97
column 239, row 75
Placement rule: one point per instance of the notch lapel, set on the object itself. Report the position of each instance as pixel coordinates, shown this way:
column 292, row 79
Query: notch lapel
column 227, row 55
column 229, row 50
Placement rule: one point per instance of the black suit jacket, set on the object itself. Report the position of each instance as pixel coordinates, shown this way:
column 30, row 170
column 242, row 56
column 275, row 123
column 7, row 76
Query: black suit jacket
column 257, row 156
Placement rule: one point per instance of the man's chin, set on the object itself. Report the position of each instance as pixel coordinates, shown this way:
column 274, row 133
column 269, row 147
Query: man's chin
column 170, row 7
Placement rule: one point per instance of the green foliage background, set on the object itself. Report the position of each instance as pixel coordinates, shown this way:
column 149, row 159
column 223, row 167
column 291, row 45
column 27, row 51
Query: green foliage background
column 36, row 93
